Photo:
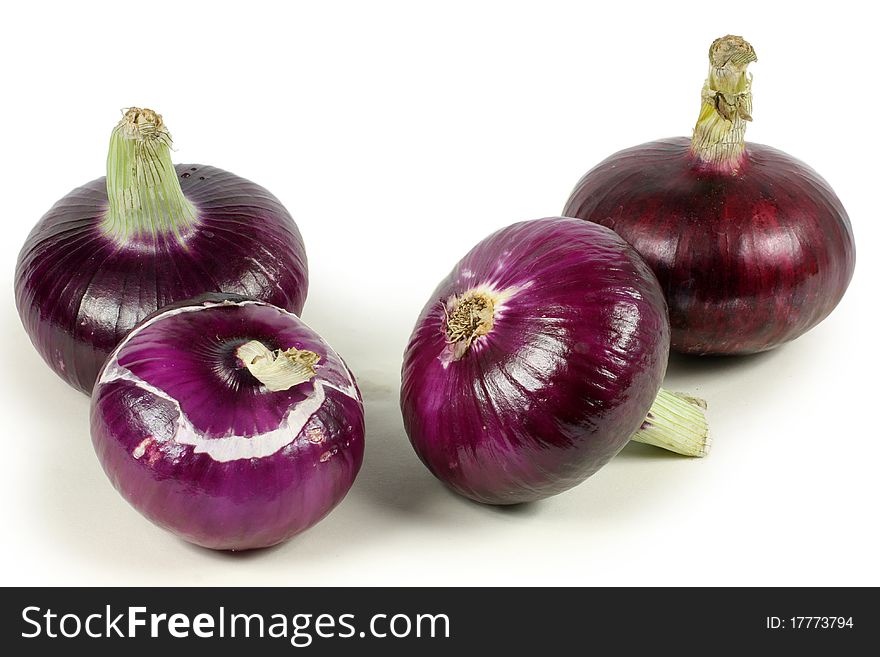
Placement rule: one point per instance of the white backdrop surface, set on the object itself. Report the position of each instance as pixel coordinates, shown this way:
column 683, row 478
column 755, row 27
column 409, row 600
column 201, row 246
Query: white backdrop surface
column 398, row 134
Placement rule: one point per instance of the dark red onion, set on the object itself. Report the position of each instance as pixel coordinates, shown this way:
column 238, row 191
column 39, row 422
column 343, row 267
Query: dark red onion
column 537, row 359
column 751, row 246
column 118, row 248
column 228, row 422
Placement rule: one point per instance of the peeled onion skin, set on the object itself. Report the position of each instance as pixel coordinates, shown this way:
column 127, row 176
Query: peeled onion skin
column 239, row 503
column 747, row 260
column 562, row 380
column 79, row 292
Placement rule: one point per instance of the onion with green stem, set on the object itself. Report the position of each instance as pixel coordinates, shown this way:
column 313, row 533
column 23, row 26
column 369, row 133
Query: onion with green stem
column 149, row 234
column 751, row 246
column 229, row 422
column 539, row 358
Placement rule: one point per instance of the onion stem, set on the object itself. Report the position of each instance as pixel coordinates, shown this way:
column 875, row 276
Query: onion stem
column 468, row 317
column 278, row 370
column 144, row 194
column 676, row 422
column 720, row 134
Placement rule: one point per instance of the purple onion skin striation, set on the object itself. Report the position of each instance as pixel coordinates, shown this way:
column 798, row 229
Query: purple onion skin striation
column 200, row 447
column 79, row 292
column 565, row 376
column 752, row 247
column 747, row 260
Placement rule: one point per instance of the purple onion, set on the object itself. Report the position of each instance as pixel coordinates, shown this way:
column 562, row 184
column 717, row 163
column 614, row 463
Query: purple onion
column 149, row 234
column 537, row 359
column 228, row 422
column 751, row 246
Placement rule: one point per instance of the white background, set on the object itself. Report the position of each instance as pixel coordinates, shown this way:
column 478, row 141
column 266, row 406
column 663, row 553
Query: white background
column 398, row 134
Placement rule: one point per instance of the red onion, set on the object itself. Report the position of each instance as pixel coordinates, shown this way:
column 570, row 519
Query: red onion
column 229, row 422
column 537, row 359
column 751, row 246
column 116, row 249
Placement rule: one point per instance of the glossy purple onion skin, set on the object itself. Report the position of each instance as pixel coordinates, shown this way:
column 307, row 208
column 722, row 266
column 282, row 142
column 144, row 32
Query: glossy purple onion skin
column 241, row 503
column 747, row 261
column 564, row 378
column 78, row 292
